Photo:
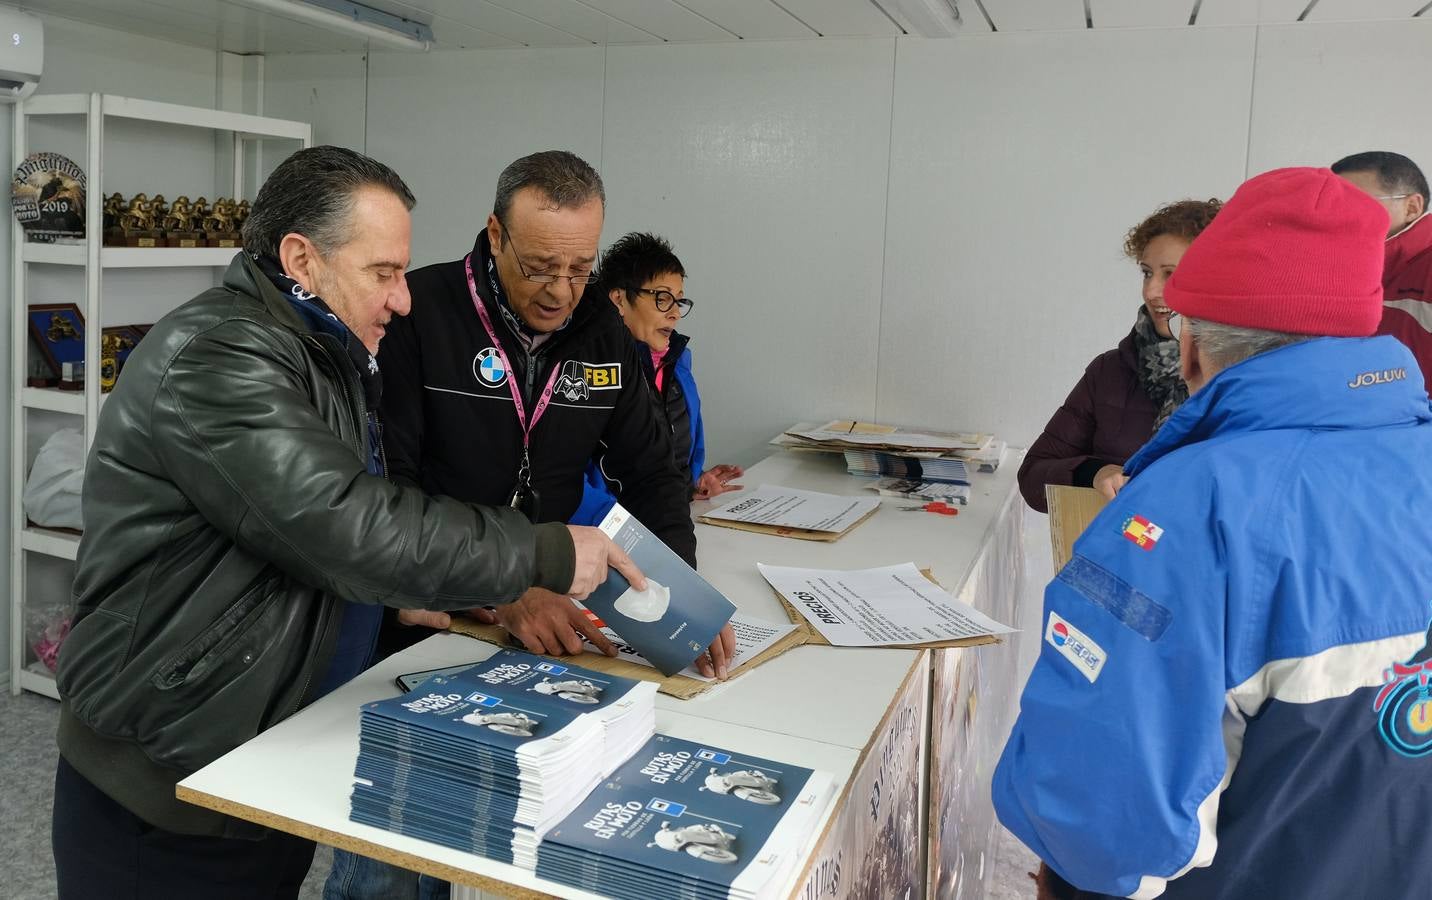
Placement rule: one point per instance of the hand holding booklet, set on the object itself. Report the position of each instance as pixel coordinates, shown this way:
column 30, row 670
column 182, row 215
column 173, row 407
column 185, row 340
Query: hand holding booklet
column 679, row 614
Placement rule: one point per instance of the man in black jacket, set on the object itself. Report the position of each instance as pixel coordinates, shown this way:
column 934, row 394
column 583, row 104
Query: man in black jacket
column 239, row 538
column 501, row 384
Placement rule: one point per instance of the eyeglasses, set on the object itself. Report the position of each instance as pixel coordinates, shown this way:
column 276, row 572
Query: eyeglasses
column 665, row 299
column 1175, row 324
column 1392, row 196
column 542, row 277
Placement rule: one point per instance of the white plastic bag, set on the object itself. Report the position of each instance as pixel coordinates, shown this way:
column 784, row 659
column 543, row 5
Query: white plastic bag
column 52, row 494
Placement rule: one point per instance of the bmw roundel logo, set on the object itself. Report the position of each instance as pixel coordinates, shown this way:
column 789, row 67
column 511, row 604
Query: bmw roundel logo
column 489, row 369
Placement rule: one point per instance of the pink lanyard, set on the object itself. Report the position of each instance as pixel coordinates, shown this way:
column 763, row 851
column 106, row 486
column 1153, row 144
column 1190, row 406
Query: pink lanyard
column 524, row 475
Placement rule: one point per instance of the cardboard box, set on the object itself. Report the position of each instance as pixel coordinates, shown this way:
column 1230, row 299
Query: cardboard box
column 1071, row 509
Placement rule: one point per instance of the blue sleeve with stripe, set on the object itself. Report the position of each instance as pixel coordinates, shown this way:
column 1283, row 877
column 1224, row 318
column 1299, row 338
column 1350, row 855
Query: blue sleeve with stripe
column 1112, row 772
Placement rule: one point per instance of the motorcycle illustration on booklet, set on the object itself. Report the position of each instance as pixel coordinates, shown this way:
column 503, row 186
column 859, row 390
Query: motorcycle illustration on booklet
column 679, row 614
column 682, row 819
column 486, row 759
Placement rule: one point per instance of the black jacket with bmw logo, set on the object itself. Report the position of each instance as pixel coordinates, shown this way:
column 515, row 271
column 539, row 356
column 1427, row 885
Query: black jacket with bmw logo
column 451, row 427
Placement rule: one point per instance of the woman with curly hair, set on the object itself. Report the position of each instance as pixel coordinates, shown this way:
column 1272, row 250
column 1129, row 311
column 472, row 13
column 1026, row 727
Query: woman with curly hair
column 1126, row 393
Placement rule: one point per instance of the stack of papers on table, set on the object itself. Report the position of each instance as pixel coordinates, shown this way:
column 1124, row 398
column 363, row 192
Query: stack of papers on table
column 850, row 435
column 808, row 515
column 487, row 760
column 945, row 469
column 892, row 606
column 685, row 820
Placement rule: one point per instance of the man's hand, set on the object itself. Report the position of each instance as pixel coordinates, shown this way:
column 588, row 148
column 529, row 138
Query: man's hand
column 715, row 662
column 547, row 623
column 716, row 480
column 595, row 554
column 1109, row 481
column 430, row 618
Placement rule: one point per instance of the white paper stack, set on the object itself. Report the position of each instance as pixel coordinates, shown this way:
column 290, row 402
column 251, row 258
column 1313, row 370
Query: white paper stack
column 487, row 760
column 944, row 469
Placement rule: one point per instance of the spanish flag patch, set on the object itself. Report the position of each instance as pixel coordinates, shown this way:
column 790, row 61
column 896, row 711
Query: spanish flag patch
column 1142, row 532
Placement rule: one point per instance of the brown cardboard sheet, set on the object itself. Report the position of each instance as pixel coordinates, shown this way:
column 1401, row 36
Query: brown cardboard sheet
column 1071, row 509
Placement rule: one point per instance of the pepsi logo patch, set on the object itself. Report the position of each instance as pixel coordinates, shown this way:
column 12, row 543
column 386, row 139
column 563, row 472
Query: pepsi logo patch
column 1075, row 646
column 489, row 368
column 1142, row 532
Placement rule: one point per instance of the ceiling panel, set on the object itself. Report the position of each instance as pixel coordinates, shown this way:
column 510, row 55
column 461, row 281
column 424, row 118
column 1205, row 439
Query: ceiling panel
column 453, row 23
column 1333, row 10
column 1248, row 12
column 1139, row 13
column 842, row 18
column 666, row 19
column 203, row 23
column 576, row 18
column 1035, row 15
column 751, row 19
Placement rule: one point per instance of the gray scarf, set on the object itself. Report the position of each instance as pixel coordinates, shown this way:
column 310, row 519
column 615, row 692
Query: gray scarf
column 1158, row 368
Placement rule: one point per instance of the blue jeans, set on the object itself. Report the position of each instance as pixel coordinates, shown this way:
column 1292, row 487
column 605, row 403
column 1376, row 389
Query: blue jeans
column 355, row 877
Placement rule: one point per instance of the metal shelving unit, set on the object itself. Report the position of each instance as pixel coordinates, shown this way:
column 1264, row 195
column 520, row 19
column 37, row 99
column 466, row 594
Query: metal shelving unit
column 25, row 672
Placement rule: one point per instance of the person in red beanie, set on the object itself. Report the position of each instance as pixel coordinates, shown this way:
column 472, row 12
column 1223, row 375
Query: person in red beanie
column 1399, row 185
column 1232, row 698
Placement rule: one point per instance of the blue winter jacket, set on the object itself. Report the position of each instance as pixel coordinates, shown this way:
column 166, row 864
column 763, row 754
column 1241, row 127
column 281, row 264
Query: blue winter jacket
column 1230, row 699
column 598, row 495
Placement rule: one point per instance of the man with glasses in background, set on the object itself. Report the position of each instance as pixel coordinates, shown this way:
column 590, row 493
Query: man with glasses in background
column 1399, row 185
column 499, row 387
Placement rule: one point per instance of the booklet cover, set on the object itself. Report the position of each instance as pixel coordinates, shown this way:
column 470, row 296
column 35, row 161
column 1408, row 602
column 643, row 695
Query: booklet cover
column 679, row 614
column 683, row 819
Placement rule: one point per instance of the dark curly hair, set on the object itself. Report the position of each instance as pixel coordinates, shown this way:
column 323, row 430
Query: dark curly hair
column 1182, row 218
column 634, row 260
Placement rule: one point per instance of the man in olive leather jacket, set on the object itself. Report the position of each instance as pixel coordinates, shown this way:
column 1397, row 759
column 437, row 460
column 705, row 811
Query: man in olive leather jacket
column 239, row 538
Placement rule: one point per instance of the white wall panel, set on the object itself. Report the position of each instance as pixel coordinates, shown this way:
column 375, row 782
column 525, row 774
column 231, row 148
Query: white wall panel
column 1018, row 164
column 450, row 122
column 326, row 90
column 765, row 164
column 1326, row 90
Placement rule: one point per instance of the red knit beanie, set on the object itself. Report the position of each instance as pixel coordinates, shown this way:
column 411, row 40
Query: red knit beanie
column 1295, row 250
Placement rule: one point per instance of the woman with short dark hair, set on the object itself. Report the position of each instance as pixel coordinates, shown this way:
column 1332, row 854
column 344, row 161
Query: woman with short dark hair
column 642, row 276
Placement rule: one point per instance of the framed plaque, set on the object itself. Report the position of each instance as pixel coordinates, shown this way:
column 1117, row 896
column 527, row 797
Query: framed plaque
column 47, row 194
column 58, row 332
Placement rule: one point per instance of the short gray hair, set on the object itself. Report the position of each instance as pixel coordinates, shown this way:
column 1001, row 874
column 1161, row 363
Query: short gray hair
column 312, row 193
column 1226, row 345
column 561, row 176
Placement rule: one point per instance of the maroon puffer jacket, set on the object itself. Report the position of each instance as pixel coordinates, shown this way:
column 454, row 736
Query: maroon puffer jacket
column 1103, row 421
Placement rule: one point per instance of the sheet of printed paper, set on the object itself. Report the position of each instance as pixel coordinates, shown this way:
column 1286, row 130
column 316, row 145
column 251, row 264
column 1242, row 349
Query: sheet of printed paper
column 753, row 637
column 914, row 489
column 790, row 508
column 874, row 607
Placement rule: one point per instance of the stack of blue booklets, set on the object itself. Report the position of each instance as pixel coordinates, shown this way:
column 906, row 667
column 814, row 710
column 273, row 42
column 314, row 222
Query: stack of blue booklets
column 489, row 759
column 687, row 820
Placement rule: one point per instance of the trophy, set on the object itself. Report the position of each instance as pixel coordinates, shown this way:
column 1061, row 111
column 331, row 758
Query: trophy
column 137, row 223
column 220, row 229
column 114, row 346
column 180, row 229
column 113, row 208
